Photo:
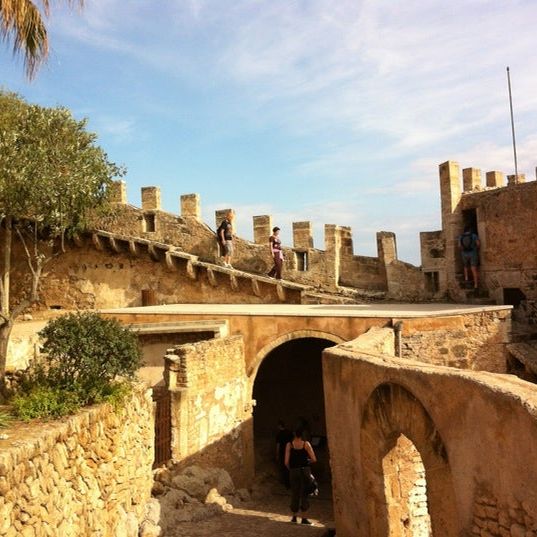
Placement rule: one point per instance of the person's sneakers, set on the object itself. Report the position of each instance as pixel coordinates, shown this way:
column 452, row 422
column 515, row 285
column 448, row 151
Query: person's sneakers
column 307, row 522
column 293, row 520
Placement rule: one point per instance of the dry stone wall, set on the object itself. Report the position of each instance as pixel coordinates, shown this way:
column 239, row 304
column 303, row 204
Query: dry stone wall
column 87, row 475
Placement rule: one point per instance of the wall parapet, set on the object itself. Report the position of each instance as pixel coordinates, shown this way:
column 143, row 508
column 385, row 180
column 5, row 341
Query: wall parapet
column 420, row 401
column 338, row 265
column 86, row 474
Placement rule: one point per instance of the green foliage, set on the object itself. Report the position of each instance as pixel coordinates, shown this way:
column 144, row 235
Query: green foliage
column 87, row 350
column 42, row 402
column 5, row 418
column 85, row 360
column 45, row 402
column 51, row 173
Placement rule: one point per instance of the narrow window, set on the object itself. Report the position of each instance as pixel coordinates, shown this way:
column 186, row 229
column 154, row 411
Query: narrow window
column 149, row 223
column 301, row 261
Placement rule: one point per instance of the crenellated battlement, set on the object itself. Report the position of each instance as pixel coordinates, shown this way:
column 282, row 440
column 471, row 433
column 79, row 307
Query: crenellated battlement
column 501, row 211
column 336, row 237
column 336, row 265
column 450, row 179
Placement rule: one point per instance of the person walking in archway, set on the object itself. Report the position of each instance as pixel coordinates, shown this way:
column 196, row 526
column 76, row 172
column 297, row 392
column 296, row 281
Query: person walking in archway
column 283, row 437
column 299, row 455
column 277, row 255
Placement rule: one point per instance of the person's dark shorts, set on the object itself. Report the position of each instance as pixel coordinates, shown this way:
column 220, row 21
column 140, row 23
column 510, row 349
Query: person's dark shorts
column 470, row 258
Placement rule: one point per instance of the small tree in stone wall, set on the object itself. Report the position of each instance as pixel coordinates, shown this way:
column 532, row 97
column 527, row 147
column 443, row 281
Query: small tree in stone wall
column 52, row 177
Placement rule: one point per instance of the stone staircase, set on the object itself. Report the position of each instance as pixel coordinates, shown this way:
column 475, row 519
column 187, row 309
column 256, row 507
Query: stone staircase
column 478, row 296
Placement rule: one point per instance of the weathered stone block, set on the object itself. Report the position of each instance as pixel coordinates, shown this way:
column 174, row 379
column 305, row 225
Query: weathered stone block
column 190, row 206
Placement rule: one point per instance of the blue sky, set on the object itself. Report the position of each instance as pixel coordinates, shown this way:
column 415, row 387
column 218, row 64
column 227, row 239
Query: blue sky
column 333, row 111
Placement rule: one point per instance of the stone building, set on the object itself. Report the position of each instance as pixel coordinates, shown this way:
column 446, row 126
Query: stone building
column 503, row 215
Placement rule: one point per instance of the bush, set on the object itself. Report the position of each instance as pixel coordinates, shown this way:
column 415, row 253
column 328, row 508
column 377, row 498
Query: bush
column 86, row 350
column 5, row 419
column 49, row 402
column 83, row 356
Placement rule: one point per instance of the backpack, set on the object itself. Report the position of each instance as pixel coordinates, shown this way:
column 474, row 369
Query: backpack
column 467, row 242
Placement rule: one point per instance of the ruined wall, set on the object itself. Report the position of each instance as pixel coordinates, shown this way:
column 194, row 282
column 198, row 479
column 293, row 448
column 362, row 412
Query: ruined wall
column 406, row 282
column 88, row 474
column 476, row 341
column 433, row 261
column 211, row 407
column 475, row 432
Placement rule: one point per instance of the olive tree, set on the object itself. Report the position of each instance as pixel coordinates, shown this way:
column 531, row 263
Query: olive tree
column 53, row 176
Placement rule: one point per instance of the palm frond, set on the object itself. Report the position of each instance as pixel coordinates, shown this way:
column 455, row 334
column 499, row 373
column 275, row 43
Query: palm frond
column 22, row 23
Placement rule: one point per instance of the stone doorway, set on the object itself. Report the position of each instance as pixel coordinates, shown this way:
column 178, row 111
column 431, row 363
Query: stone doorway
column 403, row 456
column 289, row 386
column 405, row 487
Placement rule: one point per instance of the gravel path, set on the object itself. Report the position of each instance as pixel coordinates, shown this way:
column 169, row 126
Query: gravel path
column 267, row 518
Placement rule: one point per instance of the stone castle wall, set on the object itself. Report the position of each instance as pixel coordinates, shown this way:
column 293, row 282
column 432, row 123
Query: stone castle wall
column 504, row 218
column 211, row 406
column 88, row 474
column 86, row 276
column 477, row 341
column 336, row 265
column 475, row 432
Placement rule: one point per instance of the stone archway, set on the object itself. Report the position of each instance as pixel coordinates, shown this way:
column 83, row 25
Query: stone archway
column 290, row 336
column 393, row 411
column 288, row 386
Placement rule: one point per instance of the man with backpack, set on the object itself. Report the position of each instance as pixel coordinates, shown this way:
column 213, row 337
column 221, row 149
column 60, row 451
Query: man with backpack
column 224, row 235
column 469, row 247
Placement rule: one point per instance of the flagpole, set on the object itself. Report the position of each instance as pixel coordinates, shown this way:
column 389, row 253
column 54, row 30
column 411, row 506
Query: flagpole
column 512, row 122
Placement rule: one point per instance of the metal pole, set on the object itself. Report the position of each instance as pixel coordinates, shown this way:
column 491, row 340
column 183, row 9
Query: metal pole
column 512, row 123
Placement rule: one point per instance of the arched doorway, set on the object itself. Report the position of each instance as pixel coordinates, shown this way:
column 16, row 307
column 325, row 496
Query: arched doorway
column 289, row 387
column 403, row 454
column 405, row 488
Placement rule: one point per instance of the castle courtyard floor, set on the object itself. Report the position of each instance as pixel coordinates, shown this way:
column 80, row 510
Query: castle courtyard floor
column 269, row 517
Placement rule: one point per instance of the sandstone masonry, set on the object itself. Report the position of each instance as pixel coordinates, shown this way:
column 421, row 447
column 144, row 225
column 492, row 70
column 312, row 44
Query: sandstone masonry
column 86, row 475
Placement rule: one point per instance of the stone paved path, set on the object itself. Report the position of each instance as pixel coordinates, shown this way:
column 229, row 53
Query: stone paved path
column 267, row 518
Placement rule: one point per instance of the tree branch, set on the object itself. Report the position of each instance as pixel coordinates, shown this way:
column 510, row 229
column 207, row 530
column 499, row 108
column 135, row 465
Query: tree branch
column 28, row 254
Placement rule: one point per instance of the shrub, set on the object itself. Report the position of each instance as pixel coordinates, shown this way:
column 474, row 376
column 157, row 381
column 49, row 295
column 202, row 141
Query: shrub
column 87, row 351
column 85, row 360
column 5, row 418
column 45, row 402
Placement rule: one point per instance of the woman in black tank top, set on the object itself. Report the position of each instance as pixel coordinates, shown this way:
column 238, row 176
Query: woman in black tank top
column 298, row 456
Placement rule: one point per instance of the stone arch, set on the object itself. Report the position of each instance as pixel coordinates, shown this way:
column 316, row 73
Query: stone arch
column 392, row 411
column 280, row 340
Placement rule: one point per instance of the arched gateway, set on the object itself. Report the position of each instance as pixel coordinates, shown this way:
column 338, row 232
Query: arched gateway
column 288, row 386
